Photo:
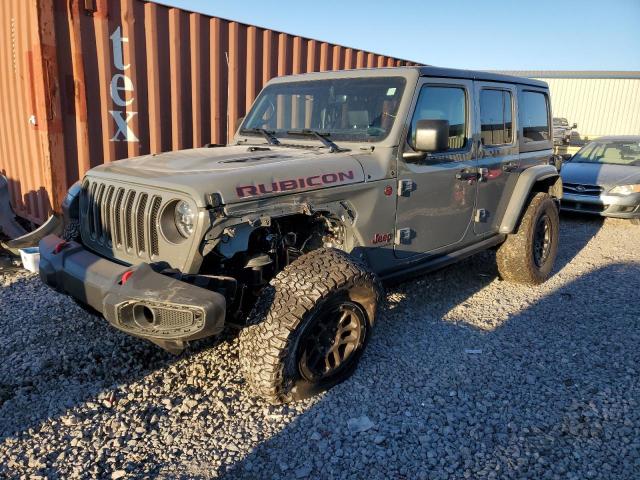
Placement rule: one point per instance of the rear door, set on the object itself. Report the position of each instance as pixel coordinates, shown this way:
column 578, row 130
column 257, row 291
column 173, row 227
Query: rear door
column 498, row 159
column 437, row 194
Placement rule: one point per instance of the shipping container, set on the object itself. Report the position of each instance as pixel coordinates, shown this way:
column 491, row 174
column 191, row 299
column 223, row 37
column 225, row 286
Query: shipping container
column 90, row 81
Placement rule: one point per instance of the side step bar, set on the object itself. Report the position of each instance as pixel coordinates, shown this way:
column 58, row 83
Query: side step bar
column 430, row 264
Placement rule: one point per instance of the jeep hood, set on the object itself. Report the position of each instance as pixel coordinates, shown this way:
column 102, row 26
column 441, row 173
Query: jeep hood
column 237, row 173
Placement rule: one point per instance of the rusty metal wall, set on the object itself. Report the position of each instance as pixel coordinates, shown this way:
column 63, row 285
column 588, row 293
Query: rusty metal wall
column 29, row 120
column 109, row 79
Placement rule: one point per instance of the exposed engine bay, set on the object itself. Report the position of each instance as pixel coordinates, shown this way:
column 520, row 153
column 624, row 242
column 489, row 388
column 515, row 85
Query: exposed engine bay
column 247, row 257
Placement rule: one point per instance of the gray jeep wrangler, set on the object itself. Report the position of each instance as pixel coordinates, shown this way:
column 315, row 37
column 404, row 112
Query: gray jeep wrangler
column 333, row 183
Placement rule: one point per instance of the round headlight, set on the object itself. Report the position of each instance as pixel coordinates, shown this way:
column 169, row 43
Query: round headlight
column 185, row 218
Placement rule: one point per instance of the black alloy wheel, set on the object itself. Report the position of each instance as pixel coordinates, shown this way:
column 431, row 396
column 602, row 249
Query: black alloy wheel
column 332, row 340
column 542, row 240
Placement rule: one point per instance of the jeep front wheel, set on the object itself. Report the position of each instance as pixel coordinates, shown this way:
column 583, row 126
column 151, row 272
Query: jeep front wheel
column 527, row 255
column 309, row 327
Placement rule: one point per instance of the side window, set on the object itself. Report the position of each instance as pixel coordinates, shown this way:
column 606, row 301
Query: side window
column 443, row 103
column 495, row 117
column 534, row 115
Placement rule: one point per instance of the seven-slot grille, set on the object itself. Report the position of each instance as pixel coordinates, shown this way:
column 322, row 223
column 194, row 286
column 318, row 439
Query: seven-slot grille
column 580, row 189
column 121, row 218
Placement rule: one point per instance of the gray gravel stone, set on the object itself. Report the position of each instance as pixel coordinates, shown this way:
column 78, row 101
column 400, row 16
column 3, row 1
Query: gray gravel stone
column 360, row 424
column 466, row 376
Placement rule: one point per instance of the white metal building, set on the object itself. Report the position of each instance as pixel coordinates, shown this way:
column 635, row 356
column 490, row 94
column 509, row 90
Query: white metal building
column 600, row 102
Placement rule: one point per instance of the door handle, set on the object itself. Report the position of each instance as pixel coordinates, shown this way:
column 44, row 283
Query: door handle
column 509, row 166
column 465, row 175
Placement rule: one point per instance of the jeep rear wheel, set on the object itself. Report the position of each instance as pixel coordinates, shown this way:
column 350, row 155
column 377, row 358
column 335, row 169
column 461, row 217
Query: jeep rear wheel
column 309, row 327
column 527, row 256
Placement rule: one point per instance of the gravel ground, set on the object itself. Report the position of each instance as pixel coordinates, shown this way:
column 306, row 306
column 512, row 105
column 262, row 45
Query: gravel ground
column 466, row 377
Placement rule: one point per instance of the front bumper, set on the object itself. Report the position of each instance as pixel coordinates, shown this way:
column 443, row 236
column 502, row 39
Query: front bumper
column 148, row 305
column 616, row 206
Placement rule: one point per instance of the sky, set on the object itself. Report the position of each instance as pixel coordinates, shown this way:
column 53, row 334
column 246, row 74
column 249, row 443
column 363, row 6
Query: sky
column 474, row 34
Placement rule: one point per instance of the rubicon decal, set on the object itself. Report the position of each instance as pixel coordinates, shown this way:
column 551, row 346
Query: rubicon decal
column 291, row 184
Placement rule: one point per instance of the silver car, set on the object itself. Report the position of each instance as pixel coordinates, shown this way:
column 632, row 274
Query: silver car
column 562, row 131
column 603, row 178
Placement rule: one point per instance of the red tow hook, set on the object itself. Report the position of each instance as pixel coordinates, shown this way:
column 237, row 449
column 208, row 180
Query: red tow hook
column 60, row 246
column 125, row 277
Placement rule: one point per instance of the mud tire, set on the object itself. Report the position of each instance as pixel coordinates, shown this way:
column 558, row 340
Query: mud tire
column 516, row 257
column 286, row 311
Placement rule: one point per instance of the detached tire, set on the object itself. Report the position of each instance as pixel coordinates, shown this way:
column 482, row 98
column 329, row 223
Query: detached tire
column 309, row 327
column 527, row 256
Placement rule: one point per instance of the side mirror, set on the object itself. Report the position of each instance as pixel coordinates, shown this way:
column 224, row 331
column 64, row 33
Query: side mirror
column 432, row 136
column 575, row 125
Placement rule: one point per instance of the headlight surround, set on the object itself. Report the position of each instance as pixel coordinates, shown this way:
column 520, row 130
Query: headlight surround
column 185, row 218
column 625, row 189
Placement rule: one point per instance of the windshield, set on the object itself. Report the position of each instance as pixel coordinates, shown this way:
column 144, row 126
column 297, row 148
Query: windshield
column 618, row 153
column 560, row 122
column 350, row 109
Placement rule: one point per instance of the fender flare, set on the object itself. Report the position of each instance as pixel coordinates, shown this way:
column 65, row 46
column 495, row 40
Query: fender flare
column 548, row 174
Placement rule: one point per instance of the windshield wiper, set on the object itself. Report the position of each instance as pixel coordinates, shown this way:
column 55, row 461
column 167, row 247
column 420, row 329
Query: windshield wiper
column 320, row 136
column 268, row 134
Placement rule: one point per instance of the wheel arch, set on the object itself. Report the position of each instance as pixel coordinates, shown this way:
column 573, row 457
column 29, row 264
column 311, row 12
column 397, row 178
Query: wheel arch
column 244, row 222
column 540, row 178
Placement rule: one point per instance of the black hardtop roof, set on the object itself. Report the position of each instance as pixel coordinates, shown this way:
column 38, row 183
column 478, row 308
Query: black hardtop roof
column 429, row 71
column 423, row 71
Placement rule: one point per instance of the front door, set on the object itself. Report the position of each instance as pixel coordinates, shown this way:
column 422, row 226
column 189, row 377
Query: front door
column 498, row 153
column 437, row 194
